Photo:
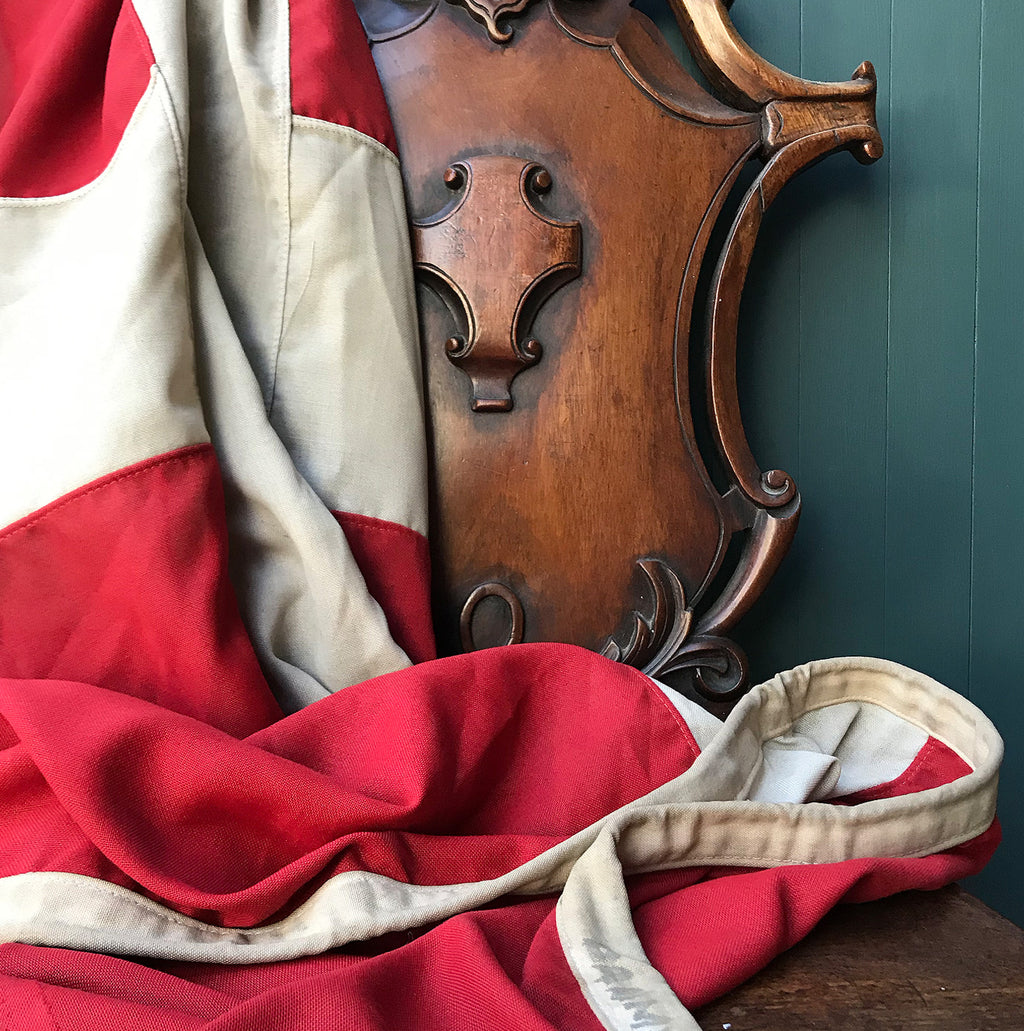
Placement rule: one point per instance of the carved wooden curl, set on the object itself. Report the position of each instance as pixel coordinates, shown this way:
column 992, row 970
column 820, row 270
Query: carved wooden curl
column 801, row 122
column 492, row 589
column 662, row 643
column 488, row 12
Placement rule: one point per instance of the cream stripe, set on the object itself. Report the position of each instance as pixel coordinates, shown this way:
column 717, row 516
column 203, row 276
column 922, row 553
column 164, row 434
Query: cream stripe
column 96, row 357
column 600, row 942
column 671, row 827
column 348, row 396
column 311, row 620
column 347, row 133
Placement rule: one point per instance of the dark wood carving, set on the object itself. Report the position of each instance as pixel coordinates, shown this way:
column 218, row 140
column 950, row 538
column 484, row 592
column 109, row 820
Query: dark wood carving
column 663, row 643
column 488, row 12
column 492, row 589
column 591, row 496
column 497, row 258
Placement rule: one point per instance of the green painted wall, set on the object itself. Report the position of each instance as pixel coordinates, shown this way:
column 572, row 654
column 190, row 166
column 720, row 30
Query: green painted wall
column 882, row 363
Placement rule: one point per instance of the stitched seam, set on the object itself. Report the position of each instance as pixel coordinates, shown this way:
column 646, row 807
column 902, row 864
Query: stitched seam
column 768, row 862
column 168, row 99
column 139, row 32
column 164, row 912
column 688, row 737
column 64, row 198
column 285, row 125
column 148, row 906
column 289, row 316
column 891, row 788
column 899, row 713
column 170, row 117
column 326, row 129
column 676, row 715
column 744, row 859
column 186, row 454
column 344, row 132
column 375, row 523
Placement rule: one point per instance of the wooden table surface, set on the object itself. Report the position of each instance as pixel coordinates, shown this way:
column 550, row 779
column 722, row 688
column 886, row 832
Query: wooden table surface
column 920, row 961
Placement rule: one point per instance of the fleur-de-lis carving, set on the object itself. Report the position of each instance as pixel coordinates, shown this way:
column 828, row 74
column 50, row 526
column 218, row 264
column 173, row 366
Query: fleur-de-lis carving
column 489, row 11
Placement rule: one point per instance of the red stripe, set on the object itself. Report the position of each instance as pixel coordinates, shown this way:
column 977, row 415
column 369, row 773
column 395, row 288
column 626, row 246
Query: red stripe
column 935, row 764
column 395, row 563
column 333, row 75
column 450, row 771
column 122, row 584
column 71, row 74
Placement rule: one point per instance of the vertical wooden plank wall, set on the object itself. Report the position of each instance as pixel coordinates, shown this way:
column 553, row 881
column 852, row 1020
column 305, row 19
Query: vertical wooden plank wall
column 933, row 163
column 997, row 615
column 882, row 364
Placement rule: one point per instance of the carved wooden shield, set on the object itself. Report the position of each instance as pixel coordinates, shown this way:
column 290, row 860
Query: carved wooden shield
column 564, row 175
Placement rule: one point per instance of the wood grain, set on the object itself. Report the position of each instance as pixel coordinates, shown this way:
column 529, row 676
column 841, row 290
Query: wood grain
column 920, row 961
column 592, row 469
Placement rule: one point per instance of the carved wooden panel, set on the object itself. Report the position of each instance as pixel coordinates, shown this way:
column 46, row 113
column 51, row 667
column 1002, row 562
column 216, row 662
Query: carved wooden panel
column 496, row 299
column 545, row 139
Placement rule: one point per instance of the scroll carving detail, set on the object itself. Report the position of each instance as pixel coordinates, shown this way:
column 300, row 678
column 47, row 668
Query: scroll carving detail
column 489, row 11
column 496, row 258
column 667, row 641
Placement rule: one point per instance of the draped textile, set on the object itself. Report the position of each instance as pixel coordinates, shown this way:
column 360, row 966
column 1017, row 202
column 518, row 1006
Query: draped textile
column 237, row 790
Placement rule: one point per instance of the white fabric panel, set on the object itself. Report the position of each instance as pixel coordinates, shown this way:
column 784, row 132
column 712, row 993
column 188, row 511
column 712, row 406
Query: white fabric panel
column 703, row 725
column 93, row 311
column 871, row 744
column 792, row 770
column 697, row 819
column 348, row 392
column 827, row 753
column 311, row 620
column 166, row 27
column 239, row 106
column 309, row 615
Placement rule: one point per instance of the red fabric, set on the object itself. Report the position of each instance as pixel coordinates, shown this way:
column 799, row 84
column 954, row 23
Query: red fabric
column 145, row 750
column 333, row 75
column 140, row 744
column 71, row 75
column 117, row 604
column 120, row 584
column 736, row 922
column 496, row 968
column 934, row 764
column 395, row 563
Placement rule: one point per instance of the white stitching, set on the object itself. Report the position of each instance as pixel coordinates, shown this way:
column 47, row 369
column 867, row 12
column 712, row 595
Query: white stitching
column 345, row 132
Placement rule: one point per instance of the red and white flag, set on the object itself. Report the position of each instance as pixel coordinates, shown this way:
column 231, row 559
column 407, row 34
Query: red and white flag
column 236, row 789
